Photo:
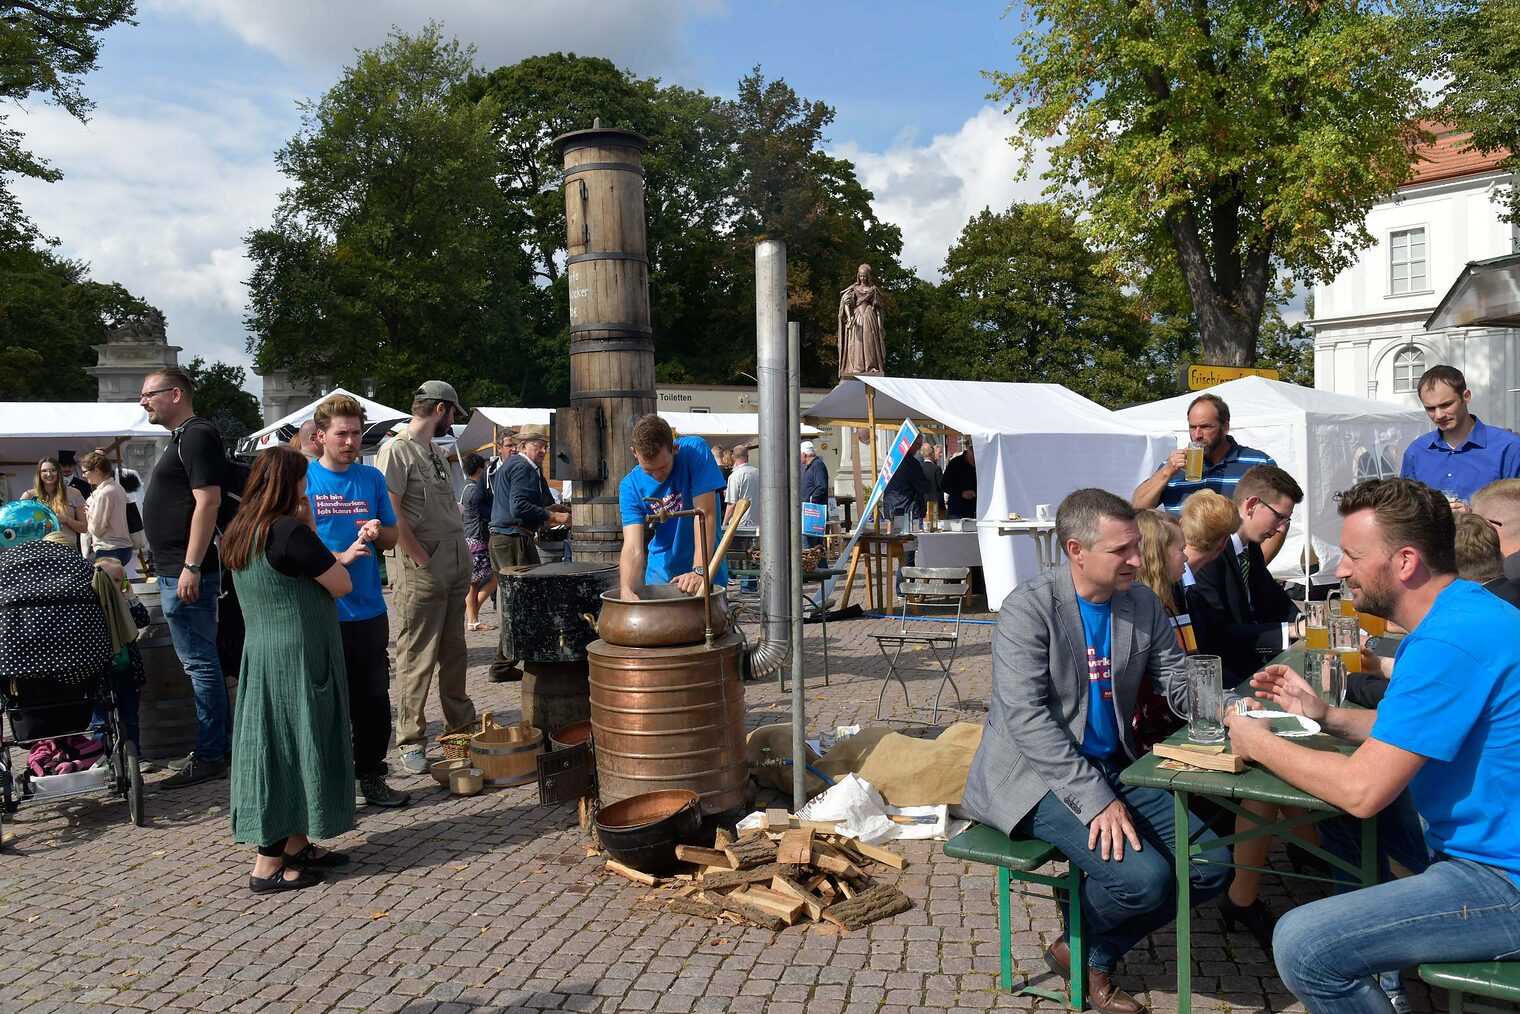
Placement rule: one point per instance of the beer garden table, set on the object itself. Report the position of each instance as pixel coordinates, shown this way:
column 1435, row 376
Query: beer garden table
column 1230, row 791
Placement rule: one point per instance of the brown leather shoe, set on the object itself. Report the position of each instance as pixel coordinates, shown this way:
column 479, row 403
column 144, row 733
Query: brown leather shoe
column 1104, row 996
column 1058, row 957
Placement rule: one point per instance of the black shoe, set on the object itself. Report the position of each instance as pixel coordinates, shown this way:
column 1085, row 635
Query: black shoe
column 307, row 858
column 1307, row 863
column 512, row 675
column 1256, row 917
column 279, row 882
column 374, row 792
column 195, row 772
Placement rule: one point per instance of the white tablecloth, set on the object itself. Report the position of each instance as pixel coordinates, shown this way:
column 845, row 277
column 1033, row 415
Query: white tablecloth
column 948, row 549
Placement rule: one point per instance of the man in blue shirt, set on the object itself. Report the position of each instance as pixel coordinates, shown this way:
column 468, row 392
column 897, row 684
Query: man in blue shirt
column 677, row 475
column 815, row 485
column 1463, row 454
column 520, row 506
column 349, row 501
column 1448, row 729
column 1060, row 732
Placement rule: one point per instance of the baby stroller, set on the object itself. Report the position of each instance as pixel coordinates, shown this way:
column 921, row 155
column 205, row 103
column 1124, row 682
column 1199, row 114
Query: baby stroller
column 56, row 672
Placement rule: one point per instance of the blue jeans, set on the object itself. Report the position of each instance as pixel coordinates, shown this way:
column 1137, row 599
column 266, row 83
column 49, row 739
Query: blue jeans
column 1330, row 952
column 192, row 625
column 1126, row 901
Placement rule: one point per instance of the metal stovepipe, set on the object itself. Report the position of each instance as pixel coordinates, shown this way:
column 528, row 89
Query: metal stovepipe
column 775, row 506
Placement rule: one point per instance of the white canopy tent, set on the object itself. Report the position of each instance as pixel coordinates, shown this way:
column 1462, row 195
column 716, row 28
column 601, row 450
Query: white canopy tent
column 32, row 430
column 374, row 413
column 478, row 434
column 1327, row 441
column 1035, row 443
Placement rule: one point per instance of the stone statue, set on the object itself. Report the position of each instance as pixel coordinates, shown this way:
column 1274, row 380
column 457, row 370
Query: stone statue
column 862, row 339
column 150, row 326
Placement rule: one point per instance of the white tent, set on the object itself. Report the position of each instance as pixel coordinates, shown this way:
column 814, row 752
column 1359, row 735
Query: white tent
column 1035, row 443
column 477, row 434
column 374, row 413
column 1328, row 442
column 32, row 430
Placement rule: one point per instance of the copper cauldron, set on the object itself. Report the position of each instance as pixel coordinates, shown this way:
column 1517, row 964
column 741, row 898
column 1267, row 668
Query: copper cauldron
column 665, row 617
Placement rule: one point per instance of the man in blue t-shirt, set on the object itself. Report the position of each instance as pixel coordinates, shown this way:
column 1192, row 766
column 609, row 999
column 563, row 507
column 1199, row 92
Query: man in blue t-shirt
column 353, row 511
column 1448, row 730
column 678, row 475
column 1060, row 732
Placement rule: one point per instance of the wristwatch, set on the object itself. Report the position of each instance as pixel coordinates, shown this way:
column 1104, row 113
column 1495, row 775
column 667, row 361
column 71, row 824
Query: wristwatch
column 699, row 570
column 193, row 568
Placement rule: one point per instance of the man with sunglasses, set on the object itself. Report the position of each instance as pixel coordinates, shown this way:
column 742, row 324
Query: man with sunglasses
column 1240, row 612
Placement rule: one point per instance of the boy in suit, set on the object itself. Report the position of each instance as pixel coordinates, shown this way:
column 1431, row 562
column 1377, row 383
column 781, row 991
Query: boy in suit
column 1070, row 652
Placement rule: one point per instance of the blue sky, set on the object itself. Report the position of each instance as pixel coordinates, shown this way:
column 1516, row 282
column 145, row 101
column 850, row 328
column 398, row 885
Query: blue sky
column 176, row 163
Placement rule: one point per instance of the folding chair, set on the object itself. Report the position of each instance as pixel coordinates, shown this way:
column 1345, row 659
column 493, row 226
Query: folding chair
column 926, row 588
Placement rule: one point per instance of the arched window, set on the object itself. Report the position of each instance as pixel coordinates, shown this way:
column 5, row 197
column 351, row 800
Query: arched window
column 1408, row 364
column 1375, row 466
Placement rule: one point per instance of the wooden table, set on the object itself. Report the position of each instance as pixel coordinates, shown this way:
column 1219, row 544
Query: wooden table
column 882, row 553
column 1230, row 791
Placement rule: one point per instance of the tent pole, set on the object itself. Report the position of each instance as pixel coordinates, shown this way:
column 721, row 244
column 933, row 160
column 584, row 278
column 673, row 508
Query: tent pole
column 875, row 468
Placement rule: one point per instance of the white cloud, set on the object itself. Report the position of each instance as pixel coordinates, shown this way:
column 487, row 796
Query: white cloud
column 930, row 191
column 158, row 197
column 321, row 35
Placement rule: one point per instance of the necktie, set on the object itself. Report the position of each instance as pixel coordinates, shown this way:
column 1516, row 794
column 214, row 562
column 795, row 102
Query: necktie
column 1245, row 568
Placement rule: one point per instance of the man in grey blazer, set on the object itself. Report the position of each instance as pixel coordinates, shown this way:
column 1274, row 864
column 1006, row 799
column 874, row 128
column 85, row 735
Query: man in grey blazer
column 1070, row 650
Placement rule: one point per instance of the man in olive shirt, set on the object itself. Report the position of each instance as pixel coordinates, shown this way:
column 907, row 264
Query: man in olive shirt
column 432, row 574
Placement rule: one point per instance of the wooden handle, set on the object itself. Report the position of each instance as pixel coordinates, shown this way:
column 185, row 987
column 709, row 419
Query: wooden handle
column 741, row 507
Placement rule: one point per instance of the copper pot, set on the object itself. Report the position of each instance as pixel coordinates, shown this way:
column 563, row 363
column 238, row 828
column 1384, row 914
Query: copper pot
column 665, row 617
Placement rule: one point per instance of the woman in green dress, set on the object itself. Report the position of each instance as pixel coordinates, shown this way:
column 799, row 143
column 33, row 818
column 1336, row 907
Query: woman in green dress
column 292, row 755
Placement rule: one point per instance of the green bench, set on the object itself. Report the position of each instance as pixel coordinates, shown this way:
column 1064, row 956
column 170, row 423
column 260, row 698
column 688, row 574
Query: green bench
column 1018, row 859
column 1499, row 980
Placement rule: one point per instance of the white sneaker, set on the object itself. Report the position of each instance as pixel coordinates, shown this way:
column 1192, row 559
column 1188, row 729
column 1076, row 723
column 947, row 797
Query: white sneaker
column 414, row 759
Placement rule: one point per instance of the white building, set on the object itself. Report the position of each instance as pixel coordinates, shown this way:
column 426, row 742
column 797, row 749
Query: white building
column 1370, row 337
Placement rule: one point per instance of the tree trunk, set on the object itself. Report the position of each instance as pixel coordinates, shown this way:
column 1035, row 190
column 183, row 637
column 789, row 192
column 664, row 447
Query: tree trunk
column 1228, row 304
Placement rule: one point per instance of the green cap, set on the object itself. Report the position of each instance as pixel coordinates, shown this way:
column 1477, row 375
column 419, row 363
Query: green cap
column 439, row 390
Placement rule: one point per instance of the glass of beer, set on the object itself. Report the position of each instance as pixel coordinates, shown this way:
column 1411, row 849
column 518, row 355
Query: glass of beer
column 1348, row 604
column 1346, row 640
column 1192, row 470
column 1316, row 627
column 1375, row 626
column 1205, row 676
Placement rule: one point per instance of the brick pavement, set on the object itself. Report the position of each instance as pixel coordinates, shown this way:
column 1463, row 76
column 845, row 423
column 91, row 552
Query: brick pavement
column 491, row 903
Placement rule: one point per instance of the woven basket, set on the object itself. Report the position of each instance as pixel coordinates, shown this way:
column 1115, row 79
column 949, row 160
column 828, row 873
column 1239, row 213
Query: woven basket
column 455, row 743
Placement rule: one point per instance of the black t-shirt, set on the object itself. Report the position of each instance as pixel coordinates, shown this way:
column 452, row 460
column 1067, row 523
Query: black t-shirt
column 194, row 461
column 295, row 550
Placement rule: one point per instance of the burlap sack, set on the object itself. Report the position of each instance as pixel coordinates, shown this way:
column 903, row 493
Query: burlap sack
column 906, row 771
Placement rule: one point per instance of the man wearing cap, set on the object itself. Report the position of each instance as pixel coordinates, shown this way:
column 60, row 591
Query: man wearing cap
column 815, row 484
column 432, row 574
column 520, row 505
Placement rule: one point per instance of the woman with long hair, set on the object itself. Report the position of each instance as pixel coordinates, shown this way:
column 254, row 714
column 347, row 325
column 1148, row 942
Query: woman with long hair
column 292, row 752
column 1162, row 564
column 64, row 500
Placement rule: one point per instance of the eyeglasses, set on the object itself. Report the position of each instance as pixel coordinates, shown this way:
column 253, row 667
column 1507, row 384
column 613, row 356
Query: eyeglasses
column 156, row 390
column 1283, row 520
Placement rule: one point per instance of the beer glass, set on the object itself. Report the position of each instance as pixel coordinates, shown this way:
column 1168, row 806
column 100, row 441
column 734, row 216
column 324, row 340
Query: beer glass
column 1316, row 627
column 1193, row 467
column 1326, row 673
column 1348, row 604
column 1205, row 676
column 1375, row 626
column 1346, row 640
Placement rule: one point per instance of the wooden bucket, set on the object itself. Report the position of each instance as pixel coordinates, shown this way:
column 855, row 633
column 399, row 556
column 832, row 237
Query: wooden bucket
column 506, row 755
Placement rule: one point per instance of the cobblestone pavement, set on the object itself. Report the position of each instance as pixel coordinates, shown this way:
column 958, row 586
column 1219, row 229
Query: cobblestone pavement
column 491, row 903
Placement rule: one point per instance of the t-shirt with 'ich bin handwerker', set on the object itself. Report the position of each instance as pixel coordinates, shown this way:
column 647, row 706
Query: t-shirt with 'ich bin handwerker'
column 1100, row 739
column 342, row 502
column 692, row 473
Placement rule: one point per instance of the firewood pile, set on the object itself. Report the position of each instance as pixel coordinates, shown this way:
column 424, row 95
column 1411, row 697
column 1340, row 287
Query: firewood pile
column 786, row 873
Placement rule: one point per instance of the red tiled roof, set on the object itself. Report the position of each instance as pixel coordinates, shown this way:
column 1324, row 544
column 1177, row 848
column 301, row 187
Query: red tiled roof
column 1448, row 157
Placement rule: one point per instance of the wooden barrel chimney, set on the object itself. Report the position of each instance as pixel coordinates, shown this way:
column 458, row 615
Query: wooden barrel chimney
column 611, row 339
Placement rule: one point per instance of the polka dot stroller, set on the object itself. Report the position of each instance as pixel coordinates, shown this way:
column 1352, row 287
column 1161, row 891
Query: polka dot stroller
column 56, row 667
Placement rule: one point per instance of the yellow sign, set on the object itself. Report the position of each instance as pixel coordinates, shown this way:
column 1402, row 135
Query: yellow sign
column 1200, row 376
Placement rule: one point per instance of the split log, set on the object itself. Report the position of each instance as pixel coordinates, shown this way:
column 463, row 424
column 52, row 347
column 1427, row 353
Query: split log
column 748, row 852
column 845, row 889
column 782, row 906
column 720, row 879
column 722, row 838
column 696, row 905
column 790, row 887
column 867, row 907
column 753, row 914
column 796, row 847
column 877, row 854
column 704, row 857
column 613, row 866
column 777, row 819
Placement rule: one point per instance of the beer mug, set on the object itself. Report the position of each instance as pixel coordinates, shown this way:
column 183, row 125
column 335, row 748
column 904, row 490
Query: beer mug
column 1192, row 470
column 1205, row 677
column 1346, row 640
column 1316, row 626
column 1325, row 671
column 1346, row 602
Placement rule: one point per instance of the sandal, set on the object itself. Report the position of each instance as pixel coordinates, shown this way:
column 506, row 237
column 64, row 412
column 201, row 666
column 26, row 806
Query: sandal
column 308, row 858
column 478, row 626
column 278, row 882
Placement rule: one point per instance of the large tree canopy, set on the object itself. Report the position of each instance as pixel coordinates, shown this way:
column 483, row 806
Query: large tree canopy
column 219, row 397
column 46, row 48
column 1222, row 140
column 1480, row 43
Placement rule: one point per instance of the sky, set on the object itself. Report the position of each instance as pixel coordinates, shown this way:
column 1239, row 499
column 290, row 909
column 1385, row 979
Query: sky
column 176, row 164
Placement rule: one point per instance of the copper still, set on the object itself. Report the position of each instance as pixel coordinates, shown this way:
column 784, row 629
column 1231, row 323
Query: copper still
column 670, row 718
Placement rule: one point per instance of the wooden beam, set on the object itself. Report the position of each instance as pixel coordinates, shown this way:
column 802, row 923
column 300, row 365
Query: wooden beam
column 613, row 866
column 704, row 857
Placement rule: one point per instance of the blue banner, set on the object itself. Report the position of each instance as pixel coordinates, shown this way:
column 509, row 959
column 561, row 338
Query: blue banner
column 906, row 434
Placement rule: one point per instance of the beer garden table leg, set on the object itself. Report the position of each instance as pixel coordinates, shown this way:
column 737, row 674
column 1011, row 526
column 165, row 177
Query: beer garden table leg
column 1183, row 853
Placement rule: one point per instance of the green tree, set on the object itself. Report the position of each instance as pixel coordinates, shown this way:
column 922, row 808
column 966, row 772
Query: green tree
column 220, row 397
column 1287, row 348
column 1026, row 301
column 46, row 48
column 387, row 256
column 1221, row 141
column 1480, row 40
column 51, row 316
